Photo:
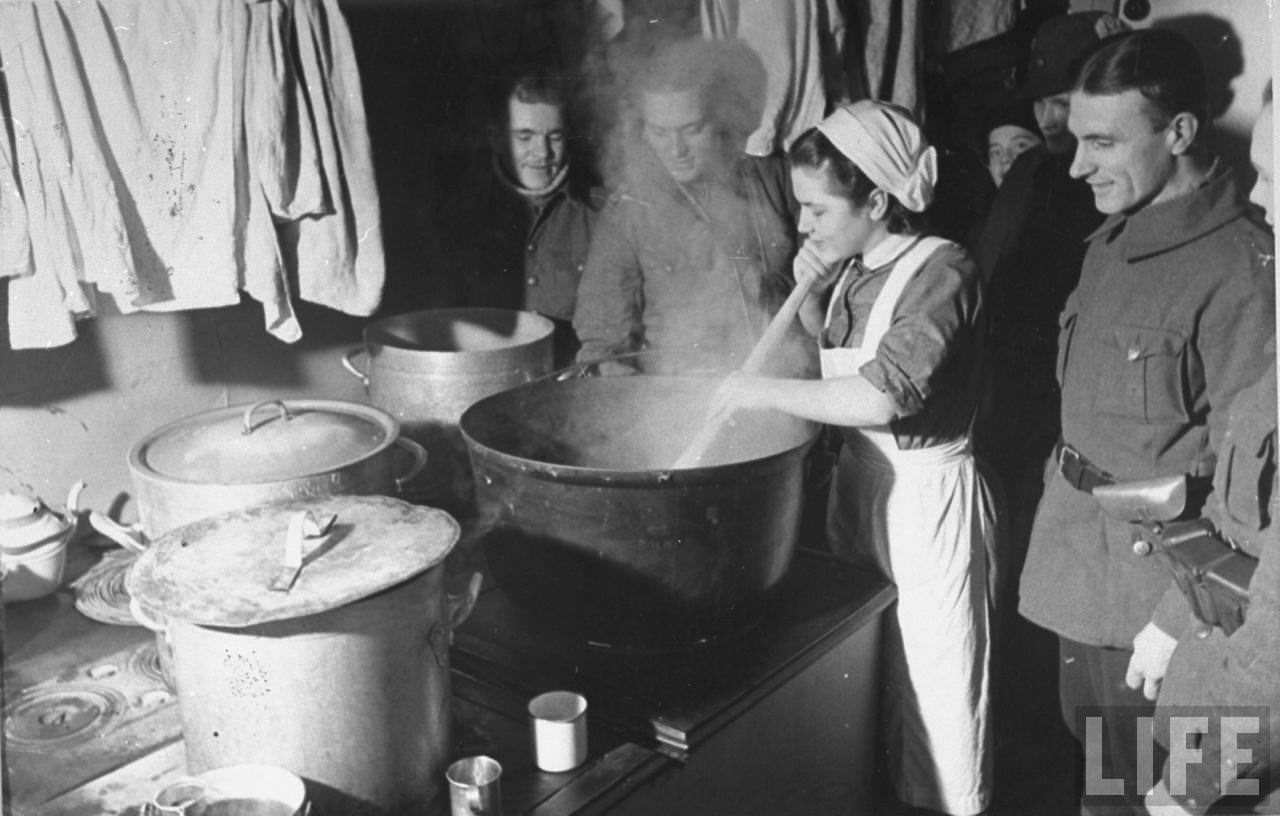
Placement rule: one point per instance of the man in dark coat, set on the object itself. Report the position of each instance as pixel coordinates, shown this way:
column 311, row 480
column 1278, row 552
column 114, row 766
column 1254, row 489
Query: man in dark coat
column 528, row 225
column 1029, row 251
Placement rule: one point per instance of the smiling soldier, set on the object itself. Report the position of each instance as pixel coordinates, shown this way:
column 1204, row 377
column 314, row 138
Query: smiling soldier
column 535, row 213
column 1167, row 324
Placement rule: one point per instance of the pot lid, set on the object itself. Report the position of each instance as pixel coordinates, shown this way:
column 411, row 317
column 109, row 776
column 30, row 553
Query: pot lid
column 266, row 442
column 18, row 508
column 219, row 571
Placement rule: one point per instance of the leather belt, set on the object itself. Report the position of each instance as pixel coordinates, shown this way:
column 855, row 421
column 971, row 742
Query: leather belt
column 1079, row 472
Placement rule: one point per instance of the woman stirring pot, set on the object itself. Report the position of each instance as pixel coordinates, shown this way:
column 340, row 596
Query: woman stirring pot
column 898, row 340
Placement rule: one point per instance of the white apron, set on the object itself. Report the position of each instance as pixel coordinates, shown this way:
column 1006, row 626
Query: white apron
column 924, row 516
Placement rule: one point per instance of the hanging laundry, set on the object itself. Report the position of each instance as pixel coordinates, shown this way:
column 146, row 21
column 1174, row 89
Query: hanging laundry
column 800, row 44
column 161, row 148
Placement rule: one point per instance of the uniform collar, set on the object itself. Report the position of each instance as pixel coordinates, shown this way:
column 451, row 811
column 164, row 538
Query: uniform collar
column 1158, row 228
column 888, row 250
column 534, row 197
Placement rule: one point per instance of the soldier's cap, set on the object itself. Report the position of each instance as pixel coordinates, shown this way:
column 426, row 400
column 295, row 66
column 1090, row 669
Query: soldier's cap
column 1059, row 49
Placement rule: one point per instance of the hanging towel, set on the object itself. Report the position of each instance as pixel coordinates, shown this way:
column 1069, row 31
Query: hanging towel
column 339, row 259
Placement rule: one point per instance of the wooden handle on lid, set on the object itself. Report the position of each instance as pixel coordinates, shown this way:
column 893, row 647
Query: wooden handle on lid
column 301, row 526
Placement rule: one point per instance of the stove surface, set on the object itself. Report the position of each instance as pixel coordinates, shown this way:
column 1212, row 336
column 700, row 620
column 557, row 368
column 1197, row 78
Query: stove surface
column 674, row 696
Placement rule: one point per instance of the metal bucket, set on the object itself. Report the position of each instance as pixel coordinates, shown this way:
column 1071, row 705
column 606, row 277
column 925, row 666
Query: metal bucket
column 426, row 368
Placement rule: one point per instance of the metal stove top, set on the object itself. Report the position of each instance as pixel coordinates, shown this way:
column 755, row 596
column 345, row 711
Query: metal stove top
column 672, row 697
column 81, row 698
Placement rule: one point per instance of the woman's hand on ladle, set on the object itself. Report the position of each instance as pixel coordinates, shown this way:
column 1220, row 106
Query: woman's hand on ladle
column 812, row 266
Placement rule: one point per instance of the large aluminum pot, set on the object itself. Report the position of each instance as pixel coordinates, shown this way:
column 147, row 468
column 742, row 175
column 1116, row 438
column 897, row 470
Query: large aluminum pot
column 235, row 457
column 584, row 519
column 425, row 368
column 343, row 678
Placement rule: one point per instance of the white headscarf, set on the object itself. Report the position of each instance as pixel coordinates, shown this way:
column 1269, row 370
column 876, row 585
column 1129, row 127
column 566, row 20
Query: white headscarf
column 887, row 145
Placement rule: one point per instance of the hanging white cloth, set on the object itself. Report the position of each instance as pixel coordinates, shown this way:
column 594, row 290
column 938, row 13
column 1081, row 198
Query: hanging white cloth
column 158, row 143
column 800, row 44
column 921, row 514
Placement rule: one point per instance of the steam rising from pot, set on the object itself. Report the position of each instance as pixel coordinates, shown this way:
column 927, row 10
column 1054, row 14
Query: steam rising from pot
column 729, row 78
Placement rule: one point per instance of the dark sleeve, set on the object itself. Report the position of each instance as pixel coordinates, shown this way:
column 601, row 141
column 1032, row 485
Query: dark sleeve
column 937, row 308
column 1244, row 669
column 1245, row 674
column 1008, row 213
column 607, row 316
column 773, row 175
column 776, row 213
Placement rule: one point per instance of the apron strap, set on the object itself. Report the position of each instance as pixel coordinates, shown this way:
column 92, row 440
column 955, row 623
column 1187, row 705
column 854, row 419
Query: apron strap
column 903, row 271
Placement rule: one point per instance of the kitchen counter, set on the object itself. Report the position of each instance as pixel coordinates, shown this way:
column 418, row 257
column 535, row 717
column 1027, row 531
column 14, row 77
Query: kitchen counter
column 778, row 718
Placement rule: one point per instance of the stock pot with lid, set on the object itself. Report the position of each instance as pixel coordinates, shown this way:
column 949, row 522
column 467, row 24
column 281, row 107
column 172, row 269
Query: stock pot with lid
column 273, row 450
column 340, row 675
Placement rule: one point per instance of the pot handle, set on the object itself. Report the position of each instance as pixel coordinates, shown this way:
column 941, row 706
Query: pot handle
column 459, row 608
column 127, row 537
column 249, row 427
column 419, row 455
column 461, row 605
column 348, row 362
column 73, row 498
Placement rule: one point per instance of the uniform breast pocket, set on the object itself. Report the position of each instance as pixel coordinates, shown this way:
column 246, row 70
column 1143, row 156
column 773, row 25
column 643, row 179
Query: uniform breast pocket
column 1143, row 375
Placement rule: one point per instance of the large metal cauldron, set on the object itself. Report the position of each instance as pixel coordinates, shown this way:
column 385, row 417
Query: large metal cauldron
column 584, row 520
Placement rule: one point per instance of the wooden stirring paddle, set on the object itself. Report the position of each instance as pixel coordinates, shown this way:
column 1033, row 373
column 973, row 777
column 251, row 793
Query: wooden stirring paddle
column 711, row 430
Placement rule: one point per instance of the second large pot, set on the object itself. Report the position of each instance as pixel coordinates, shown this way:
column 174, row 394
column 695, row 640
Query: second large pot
column 230, row 458
column 425, row 368
column 584, row 519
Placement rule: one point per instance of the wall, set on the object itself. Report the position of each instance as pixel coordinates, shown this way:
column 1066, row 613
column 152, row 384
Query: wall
column 1236, row 41
column 73, row 412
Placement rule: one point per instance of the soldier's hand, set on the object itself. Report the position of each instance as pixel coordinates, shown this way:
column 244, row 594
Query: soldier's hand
column 1159, row 802
column 1152, row 650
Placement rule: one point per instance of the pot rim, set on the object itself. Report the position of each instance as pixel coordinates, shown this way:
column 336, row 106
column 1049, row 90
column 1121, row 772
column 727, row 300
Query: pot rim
column 613, row 477
column 390, row 425
column 378, row 340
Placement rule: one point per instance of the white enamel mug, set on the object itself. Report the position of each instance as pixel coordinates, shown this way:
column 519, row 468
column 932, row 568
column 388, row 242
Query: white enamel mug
column 559, row 723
